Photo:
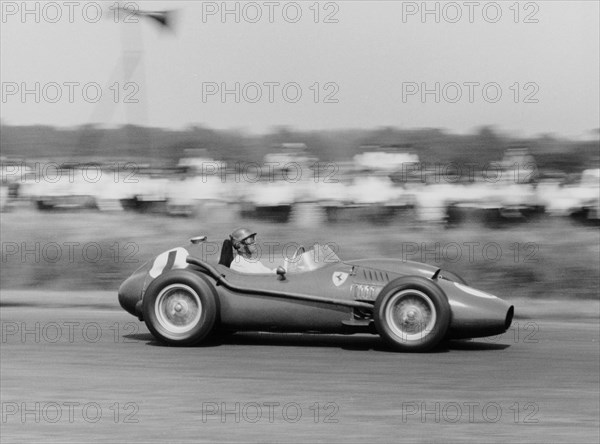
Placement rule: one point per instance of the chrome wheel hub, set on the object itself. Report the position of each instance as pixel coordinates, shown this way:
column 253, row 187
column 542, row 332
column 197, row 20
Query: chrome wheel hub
column 411, row 315
column 178, row 308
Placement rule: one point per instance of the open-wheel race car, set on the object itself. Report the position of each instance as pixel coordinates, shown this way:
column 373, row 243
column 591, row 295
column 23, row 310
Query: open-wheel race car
column 183, row 298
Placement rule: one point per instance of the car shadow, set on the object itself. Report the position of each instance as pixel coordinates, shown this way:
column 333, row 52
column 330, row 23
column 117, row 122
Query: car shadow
column 475, row 345
column 346, row 342
column 147, row 337
column 357, row 342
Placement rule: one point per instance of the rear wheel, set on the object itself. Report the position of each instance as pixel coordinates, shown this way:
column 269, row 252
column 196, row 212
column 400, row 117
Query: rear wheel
column 180, row 307
column 412, row 314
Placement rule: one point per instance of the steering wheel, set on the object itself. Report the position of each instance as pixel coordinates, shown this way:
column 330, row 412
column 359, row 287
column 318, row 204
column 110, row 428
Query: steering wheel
column 300, row 250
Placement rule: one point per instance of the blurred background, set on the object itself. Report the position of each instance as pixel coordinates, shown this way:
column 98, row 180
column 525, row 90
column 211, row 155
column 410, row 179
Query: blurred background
column 513, row 185
column 415, row 195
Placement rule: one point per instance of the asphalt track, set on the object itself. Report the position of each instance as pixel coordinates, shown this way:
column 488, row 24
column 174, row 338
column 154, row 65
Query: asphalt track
column 75, row 368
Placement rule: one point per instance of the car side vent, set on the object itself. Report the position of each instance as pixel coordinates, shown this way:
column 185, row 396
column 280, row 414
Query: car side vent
column 371, row 275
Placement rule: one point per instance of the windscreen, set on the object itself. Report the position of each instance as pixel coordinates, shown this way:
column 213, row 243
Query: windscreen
column 317, row 256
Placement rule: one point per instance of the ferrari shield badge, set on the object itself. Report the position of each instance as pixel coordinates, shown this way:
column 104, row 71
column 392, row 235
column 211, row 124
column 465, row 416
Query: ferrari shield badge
column 339, row 277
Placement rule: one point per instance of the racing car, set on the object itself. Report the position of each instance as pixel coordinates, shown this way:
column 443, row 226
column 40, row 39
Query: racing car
column 185, row 297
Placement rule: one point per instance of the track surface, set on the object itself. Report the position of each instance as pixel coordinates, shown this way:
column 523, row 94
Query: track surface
column 539, row 382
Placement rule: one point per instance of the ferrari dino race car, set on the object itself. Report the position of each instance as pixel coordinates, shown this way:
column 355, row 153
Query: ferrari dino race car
column 183, row 298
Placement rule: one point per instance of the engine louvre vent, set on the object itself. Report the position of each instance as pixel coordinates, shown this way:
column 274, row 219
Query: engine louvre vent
column 375, row 276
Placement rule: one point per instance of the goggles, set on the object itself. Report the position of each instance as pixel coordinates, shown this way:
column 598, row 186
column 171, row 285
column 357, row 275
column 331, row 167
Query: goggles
column 249, row 241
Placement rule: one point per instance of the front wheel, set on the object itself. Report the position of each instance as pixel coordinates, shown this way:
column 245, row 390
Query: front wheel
column 180, row 307
column 412, row 314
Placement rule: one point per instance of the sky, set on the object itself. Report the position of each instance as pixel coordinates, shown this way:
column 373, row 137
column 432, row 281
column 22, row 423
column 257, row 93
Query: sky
column 524, row 67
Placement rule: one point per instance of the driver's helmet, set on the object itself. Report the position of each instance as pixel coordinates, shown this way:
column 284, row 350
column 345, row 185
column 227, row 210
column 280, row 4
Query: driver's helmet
column 239, row 236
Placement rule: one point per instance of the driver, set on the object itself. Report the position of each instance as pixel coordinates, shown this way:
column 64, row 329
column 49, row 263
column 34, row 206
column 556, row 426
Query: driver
column 245, row 261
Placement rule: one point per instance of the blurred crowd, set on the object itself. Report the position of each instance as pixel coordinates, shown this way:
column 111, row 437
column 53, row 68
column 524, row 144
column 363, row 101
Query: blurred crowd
column 379, row 184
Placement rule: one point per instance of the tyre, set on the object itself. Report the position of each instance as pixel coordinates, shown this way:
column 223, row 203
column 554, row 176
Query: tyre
column 412, row 314
column 180, row 307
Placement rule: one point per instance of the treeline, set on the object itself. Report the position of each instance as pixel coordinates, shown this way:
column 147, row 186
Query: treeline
column 166, row 147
